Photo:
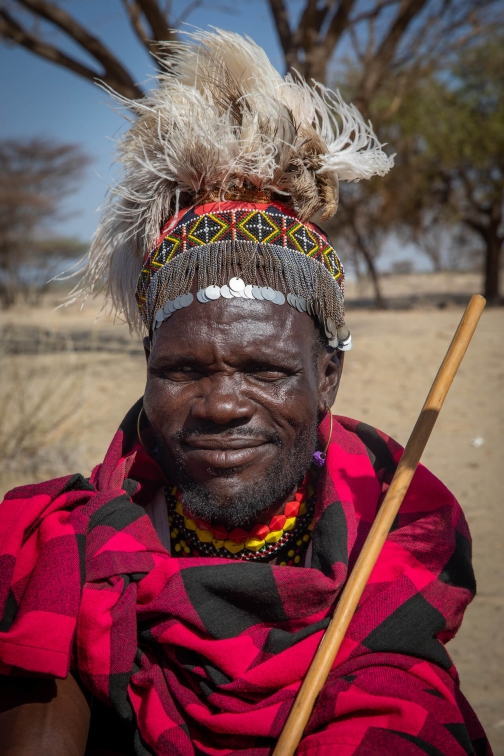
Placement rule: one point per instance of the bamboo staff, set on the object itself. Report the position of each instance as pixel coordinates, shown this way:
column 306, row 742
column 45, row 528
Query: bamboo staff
column 331, row 642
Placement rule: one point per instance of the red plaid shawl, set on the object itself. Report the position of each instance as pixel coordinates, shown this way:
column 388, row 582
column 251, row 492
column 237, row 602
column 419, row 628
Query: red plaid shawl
column 205, row 655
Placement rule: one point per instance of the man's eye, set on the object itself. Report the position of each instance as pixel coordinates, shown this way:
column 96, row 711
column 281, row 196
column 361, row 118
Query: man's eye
column 183, row 373
column 267, row 374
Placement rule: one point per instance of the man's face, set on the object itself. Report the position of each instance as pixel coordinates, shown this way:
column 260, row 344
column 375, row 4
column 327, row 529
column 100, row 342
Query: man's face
column 234, row 392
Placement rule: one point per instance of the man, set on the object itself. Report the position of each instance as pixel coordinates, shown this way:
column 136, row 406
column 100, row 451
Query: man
column 175, row 599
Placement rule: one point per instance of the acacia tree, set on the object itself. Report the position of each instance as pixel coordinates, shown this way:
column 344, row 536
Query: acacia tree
column 35, row 176
column 451, row 173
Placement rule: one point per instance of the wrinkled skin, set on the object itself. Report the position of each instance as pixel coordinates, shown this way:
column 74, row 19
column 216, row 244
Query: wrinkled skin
column 232, row 384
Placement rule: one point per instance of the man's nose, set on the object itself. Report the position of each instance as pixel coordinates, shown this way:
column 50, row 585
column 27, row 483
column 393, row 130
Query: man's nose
column 222, row 401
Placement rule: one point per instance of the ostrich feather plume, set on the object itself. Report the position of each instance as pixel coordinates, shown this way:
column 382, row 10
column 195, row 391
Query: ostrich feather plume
column 220, row 118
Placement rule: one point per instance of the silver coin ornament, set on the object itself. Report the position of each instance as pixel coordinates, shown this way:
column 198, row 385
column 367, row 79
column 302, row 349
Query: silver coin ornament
column 169, row 307
column 226, row 292
column 279, row 298
column 257, row 293
column 247, row 292
column 237, row 284
column 213, row 292
column 301, row 304
column 331, row 326
column 186, row 299
column 202, row 297
column 268, row 293
column 343, row 333
column 330, row 329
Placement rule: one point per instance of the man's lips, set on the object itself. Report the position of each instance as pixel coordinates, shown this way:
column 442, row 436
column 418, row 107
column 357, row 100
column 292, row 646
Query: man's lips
column 224, row 442
column 233, row 451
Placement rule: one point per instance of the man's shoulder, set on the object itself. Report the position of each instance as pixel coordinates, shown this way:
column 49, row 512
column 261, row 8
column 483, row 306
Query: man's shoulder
column 376, row 447
column 51, row 488
column 358, row 437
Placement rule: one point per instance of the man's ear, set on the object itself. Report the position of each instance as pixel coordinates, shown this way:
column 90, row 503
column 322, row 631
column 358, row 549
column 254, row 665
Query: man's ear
column 147, row 347
column 330, row 369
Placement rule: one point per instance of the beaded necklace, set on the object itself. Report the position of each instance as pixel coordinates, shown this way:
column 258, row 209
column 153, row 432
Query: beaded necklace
column 286, row 537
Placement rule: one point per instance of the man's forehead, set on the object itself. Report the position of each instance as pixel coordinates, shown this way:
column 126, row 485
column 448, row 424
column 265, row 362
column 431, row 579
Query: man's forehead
column 248, row 326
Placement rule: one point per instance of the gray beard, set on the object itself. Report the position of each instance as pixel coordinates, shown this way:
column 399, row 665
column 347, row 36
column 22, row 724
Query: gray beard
column 282, row 477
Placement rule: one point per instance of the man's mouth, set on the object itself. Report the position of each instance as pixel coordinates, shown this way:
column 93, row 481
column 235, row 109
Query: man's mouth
column 225, row 452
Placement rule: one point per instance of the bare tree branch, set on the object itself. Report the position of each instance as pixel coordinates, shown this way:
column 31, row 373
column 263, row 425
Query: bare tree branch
column 313, row 18
column 11, row 30
column 285, row 33
column 133, row 11
column 338, row 26
column 323, row 25
column 112, row 72
column 373, row 74
column 157, row 19
column 149, row 19
column 190, row 8
column 373, row 12
column 304, row 48
column 357, row 45
column 77, row 32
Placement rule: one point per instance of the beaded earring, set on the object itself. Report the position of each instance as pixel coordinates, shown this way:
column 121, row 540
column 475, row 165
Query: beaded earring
column 319, row 458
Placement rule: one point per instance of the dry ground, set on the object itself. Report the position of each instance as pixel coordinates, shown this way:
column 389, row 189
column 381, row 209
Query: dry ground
column 66, row 383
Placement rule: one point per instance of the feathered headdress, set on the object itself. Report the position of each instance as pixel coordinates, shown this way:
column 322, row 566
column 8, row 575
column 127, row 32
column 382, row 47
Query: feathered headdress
column 223, row 127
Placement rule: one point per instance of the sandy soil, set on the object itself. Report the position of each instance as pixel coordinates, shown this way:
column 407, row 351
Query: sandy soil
column 98, row 372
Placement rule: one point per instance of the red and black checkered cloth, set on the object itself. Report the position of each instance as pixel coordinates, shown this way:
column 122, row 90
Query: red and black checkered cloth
column 205, row 655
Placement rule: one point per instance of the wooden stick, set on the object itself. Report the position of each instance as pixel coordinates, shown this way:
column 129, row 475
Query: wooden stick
column 331, row 642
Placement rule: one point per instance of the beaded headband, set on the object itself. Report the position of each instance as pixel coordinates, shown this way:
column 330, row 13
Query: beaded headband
column 249, row 250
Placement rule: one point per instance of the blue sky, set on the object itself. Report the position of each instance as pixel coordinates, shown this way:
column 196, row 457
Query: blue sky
column 40, row 99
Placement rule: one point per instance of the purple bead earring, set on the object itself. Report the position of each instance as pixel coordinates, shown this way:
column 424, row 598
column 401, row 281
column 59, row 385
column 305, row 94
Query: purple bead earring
column 319, row 458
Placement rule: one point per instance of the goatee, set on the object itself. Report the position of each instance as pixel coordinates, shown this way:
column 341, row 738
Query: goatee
column 241, row 510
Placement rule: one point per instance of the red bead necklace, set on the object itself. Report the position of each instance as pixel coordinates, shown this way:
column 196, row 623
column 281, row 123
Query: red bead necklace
column 260, row 541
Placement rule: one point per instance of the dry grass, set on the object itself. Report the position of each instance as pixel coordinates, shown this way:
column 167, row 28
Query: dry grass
column 40, row 420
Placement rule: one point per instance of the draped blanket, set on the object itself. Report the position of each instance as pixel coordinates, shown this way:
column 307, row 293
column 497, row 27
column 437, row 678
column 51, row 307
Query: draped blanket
column 206, row 655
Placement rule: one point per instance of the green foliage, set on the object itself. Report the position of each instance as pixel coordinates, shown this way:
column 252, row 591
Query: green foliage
column 451, row 133
column 446, row 191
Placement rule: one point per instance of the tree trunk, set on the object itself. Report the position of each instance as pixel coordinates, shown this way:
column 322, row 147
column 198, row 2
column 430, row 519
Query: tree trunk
column 316, row 66
column 492, row 265
column 380, row 301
